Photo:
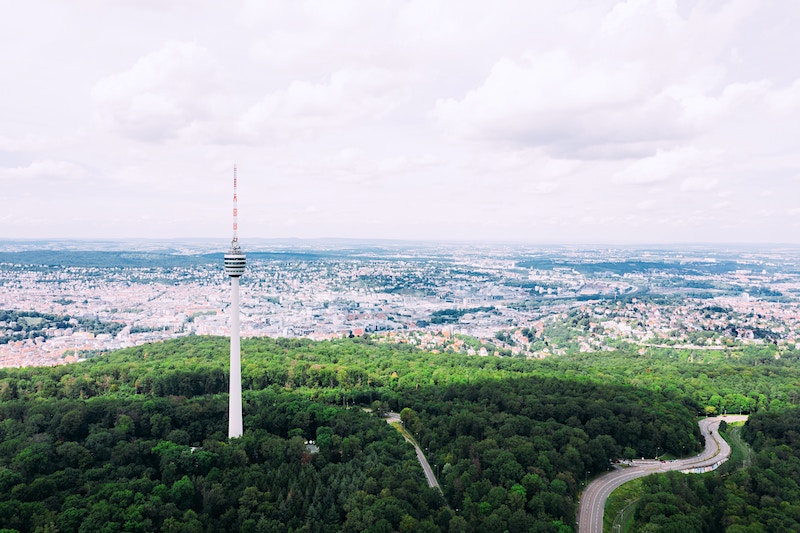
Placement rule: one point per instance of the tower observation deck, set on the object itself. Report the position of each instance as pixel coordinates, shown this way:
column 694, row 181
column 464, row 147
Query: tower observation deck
column 235, row 261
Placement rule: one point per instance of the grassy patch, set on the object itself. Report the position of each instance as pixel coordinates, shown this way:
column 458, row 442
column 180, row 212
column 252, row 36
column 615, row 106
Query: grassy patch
column 740, row 450
column 399, row 427
column 619, row 500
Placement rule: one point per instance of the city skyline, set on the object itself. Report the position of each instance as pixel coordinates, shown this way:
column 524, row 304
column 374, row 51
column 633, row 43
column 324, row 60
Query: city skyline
column 615, row 122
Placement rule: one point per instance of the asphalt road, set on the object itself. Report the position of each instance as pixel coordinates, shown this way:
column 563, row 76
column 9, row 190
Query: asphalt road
column 423, row 461
column 593, row 499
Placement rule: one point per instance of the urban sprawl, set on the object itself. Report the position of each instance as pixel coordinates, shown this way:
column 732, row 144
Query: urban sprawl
column 60, row 306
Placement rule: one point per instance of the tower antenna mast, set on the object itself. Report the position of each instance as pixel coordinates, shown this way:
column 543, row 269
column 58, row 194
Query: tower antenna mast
column 235, row 209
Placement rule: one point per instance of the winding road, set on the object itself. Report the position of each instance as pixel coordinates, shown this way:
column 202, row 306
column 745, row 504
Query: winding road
column 593, row 499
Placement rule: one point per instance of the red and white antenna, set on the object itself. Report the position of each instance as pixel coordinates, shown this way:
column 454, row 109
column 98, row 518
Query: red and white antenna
column 235, row 258
column 235, row 209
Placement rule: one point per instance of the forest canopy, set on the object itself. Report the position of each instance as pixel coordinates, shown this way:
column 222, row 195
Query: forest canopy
column 136, row 440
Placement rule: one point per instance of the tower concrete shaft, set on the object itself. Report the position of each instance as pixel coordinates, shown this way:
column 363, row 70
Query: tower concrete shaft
column 235, row 424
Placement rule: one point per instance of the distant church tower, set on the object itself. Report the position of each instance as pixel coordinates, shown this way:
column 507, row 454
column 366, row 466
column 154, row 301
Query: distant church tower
column 234, row 267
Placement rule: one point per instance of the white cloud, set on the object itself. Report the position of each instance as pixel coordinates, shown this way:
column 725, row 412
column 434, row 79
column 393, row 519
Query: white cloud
column 785, row 100
column 23, row 143
column 697, row 184
column 662, row 166
column 543, row 187
column 348, row 96
column 354, row 166
column 647, row 76
column 544, row 99
column 705, row 111
column 645, row 205
column 44, row 171
column 164, row 93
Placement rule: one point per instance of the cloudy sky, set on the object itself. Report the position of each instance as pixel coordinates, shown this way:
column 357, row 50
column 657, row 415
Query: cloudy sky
column 576, row 121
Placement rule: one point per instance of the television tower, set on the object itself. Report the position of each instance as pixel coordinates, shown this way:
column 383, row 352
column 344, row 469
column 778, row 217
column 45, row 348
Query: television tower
column 234, row 267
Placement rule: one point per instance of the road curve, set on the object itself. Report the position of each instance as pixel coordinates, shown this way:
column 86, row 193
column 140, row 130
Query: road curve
column 593, row 499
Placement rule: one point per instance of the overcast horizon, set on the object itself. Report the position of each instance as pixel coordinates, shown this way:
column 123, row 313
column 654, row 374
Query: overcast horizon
column 635, row 122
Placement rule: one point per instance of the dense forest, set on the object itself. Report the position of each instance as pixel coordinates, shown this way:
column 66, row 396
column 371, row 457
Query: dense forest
column 754, row 379
column 136, row 440
column 110, row 464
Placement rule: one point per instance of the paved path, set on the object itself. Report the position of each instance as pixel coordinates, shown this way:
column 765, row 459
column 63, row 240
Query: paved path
column 426, row 467
column 593, row 499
